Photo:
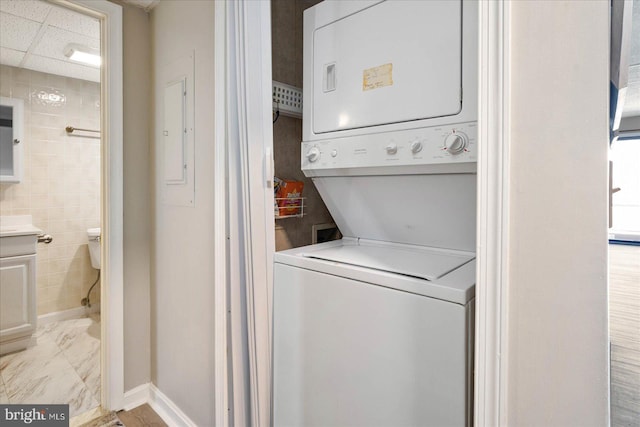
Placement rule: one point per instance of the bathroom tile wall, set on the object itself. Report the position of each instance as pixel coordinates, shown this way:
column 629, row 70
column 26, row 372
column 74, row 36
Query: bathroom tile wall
column 61, row 185
column 286, row 40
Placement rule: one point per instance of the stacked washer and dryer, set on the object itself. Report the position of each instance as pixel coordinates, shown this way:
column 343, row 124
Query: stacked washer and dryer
column 376, row 329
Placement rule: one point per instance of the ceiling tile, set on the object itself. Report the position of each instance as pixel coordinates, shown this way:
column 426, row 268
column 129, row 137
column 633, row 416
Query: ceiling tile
column 55, row 40
column 75, row 22
column 34, row 10
column 17, row 33
column 10, row 56
column 63, row 68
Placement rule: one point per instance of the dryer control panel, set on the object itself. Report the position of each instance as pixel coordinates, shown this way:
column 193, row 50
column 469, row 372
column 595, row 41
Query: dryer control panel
column 439, row 149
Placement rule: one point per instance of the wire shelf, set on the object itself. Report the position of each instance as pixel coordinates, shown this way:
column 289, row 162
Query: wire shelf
column 289, row 207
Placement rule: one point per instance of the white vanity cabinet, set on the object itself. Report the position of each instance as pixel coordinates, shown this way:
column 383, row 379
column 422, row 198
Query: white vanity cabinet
column 18, row 316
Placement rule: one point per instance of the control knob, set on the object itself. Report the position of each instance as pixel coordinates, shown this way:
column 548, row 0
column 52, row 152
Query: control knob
column 416, row 147
column 392, row 148
column 455, row 143
column 313, row 154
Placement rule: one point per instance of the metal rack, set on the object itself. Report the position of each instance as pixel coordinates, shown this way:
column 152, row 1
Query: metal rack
column 294, row 207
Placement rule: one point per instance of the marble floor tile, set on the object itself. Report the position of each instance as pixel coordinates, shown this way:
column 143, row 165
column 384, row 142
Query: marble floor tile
column 65, row 333
column 33, row 362
column 84, row 356
column 57, row 387
column 88, row 416
column 4, row 399
column 64, row 367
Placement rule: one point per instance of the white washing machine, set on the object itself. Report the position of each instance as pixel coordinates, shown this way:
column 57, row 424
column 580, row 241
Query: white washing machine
column 373, row 334
column 377, row 329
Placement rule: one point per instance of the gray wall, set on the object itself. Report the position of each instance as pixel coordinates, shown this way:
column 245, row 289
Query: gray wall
column 137, row 207
column 182, row 294
column 286, row 42
column 557, row 256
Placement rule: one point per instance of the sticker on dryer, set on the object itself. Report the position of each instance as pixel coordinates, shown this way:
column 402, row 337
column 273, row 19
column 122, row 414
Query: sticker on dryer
column 377, row 77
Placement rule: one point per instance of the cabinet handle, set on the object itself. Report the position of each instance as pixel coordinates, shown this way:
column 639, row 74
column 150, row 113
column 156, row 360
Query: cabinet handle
column 45, row 238
column 16, row 141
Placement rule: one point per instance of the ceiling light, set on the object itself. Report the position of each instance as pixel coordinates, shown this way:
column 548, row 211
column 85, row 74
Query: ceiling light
column 83, row 55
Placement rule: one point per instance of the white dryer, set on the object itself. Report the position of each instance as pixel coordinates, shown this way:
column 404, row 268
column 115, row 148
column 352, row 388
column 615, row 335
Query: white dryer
column 377, row 329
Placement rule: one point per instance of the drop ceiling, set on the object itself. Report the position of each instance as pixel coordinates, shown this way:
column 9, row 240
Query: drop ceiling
column 34, row 33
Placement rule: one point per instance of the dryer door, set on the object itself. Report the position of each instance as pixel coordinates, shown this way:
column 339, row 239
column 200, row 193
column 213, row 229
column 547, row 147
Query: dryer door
column 395, row 61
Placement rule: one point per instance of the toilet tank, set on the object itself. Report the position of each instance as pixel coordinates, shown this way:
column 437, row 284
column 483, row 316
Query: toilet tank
column 94, row 247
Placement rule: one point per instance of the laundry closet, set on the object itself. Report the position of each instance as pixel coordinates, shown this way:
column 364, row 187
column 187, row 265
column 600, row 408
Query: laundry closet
column 376, row 328
column 304, row 219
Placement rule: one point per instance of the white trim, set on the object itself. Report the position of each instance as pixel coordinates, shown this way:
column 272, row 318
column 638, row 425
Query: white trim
column 221, row 373
column 137, row 396
column 112, row 220
column 238, row 363
column 161, row 404
column 168, row 411
column 493, row 180
column 250, row 209
column 72, row 313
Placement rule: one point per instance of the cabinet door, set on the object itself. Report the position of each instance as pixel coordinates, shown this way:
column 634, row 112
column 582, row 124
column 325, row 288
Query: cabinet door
column 11, row 135
column 17, row 296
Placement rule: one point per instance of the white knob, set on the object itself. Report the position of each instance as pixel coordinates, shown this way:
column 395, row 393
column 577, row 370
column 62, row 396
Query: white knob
column 455, row 143
column 313, row 154
column 334, row 153
column 416, row 147
column 392, row 148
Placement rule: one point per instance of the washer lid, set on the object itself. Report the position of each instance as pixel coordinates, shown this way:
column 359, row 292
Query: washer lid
column 424, row 263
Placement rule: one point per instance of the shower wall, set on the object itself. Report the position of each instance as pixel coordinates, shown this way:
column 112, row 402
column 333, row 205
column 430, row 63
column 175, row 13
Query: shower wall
column 61, row 184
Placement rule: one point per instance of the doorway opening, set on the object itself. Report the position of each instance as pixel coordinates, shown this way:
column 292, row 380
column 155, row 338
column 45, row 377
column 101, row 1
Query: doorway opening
column 624, row 277
column 68, row 188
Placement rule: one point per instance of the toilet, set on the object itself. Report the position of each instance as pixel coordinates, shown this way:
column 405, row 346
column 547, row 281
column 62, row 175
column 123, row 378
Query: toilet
column 94, row 246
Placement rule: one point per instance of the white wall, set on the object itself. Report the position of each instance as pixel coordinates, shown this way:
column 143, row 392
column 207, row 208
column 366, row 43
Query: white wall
column 182, row 295
column 137, row 201
column 558, row 338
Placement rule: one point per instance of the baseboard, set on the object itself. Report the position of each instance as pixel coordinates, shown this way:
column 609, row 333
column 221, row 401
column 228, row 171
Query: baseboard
column 168, row 411
column 73, row 313
column 136, row 396
column 164, row 407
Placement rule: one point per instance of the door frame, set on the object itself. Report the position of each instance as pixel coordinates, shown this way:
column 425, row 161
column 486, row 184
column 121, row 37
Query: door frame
column 491, row 337
column 491, row 343
column 111, row 197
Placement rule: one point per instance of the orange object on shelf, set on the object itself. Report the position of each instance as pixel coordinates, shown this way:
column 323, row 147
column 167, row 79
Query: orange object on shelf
column 289, row 195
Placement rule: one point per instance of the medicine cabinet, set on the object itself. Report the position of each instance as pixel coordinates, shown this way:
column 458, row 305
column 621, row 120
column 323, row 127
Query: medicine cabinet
column 11, row 144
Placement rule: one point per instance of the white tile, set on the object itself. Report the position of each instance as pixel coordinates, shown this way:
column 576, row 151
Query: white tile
column 55, row 40
column 4, row 398
column 75, row 22
column 35, row 10
column 59, row 387
column 38, row 361
column 17, row 33
column 62, row 67
column 10, row 56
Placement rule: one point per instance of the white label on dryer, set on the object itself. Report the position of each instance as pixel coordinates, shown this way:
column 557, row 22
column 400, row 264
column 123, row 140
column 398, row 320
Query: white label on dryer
column 377, row 77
